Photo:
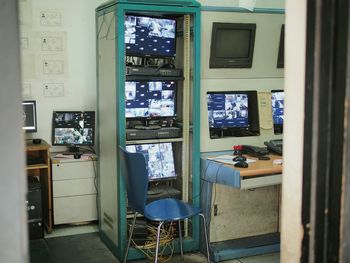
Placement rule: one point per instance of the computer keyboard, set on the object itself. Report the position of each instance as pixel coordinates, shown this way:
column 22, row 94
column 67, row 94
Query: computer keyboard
column 275, row 146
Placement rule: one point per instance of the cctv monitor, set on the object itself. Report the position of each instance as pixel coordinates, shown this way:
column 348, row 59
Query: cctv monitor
column 277, row 103
column 232, row 113
column 147, row 36
column 232, row 45
column 73, row 129
column 159, row 159
column 146, row 100
column 29, row 115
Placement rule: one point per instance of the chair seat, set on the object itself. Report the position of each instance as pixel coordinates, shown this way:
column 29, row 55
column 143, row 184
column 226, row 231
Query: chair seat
column 170, row 209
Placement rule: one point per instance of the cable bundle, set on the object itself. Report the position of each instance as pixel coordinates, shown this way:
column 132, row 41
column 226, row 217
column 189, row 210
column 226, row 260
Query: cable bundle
column 166, row 241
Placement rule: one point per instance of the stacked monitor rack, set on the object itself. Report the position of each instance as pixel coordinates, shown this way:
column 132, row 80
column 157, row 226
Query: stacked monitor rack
column 148, row 101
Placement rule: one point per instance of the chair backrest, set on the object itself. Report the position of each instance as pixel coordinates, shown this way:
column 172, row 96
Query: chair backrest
column 135, row 176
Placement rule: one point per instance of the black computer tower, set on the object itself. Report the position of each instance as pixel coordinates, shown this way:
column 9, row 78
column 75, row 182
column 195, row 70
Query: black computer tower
column 34, row 208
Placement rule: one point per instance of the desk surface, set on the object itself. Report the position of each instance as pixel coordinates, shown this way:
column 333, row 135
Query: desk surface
column 260, row 167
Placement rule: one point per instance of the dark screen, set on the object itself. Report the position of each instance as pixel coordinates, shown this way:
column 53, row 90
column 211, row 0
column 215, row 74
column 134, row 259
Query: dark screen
column 232, row 43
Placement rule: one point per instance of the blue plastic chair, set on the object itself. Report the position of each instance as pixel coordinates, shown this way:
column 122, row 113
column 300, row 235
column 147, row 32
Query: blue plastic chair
column 163, row 210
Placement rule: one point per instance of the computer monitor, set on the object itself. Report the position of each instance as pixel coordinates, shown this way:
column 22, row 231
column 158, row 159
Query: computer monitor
column 73, row 129
column 228, row 110
column 147, row 36
column 280, row 58
column 29, row 116
column 232, row 45
column 150, row 100
column 232, row 113
column 159, row 159
column 277, row 102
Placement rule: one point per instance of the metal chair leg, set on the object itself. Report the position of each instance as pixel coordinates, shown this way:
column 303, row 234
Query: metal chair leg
column 206, row 236
column 180, row 239
column 157, row 245
column 130, row 236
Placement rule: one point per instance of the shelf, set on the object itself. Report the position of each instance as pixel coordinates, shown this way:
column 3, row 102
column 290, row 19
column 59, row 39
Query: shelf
column 37, row 166
column 155, row 141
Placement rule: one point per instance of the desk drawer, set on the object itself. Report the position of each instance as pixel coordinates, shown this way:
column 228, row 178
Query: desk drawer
column 74, row 209
column 73, row 170
column 254, row 182
column 74, row 187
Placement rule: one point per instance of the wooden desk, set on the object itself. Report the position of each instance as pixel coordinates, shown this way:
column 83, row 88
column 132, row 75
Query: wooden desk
column 43, row 172
column 257, row 176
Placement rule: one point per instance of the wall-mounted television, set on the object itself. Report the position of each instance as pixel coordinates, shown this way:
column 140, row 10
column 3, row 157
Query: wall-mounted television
column 159, row 159
column 29, row 115
column 277, row 103
column 232, row 45
column 280, row 58
column 147, row 36
column 232, row 113
column 147, row 100
column 73, row 128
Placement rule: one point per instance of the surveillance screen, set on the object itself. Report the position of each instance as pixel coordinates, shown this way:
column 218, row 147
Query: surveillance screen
column 29, row 115
column 149, row 36
column 149, row 99
column 159, row 159
column 277, row 100
column 73, row 128
column 227, row 110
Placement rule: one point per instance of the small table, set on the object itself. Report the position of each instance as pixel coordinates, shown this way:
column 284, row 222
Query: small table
column 259, row 174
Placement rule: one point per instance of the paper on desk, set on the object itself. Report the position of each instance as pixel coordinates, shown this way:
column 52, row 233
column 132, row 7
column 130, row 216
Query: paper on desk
column 227, row 159
column 265, row 113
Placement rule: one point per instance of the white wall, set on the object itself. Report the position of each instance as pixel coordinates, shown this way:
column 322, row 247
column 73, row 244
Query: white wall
column 277, row 4
column 73, row 23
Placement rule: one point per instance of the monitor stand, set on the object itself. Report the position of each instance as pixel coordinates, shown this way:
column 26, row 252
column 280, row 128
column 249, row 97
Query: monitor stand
column 147, row 126
column 74, row 150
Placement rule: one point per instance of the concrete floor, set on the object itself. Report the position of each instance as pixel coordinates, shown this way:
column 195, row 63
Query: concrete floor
column 88, row 248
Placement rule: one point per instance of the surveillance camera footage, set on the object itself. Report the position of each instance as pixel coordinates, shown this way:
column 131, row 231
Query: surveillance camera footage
column 227, row 110
column 73, row 128
column 159, row 159
column 149, row 36
column 277, row 100
column 149, row 99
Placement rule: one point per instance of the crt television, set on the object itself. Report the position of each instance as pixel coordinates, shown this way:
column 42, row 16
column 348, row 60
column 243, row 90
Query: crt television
column 232, row 45
column 280, row 58
column 29, row 115
column 159, row 159
column 150, row 100
column 147, row 36
column 232, row 112
column 73, row 128
column 277, row 102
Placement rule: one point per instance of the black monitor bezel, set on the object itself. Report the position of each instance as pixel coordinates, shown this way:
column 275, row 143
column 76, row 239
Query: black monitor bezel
column 140, row 54
column 247, row 62
column 253, row 129
column 33, row 102
column 67, row 144
column 280, row 57
column 277, row 128
column 160, row 118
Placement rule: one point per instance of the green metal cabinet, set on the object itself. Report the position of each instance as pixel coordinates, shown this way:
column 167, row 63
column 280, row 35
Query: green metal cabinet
column 111, row 114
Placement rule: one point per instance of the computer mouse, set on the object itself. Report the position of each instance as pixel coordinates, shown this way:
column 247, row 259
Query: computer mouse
column 239, row 158
column 241, row 164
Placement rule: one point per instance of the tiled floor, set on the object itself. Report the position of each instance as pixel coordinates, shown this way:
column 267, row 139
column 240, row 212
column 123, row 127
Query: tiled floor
column 88, row 248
